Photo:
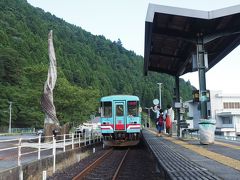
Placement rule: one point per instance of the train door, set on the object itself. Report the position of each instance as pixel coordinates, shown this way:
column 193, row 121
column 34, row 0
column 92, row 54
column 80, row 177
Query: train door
column 119, row 115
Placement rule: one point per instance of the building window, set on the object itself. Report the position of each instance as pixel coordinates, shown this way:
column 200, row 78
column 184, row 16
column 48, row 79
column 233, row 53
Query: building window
column 219, row 133
column 237, row 105
column 225, row 105
column 226, row 120
column 209, row 112
column 231, row 105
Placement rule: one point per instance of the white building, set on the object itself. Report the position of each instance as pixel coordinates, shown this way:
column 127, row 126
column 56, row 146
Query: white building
column 222, row 107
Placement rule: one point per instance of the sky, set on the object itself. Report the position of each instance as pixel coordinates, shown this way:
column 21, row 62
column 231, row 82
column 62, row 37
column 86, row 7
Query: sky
column 125, row 20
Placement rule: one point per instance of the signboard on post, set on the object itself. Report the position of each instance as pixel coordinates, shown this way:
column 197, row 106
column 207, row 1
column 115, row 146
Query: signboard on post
column 156, row 102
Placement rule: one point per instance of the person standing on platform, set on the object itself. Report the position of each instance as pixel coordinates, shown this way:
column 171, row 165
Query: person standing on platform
column 160, row 123
column 169, row 118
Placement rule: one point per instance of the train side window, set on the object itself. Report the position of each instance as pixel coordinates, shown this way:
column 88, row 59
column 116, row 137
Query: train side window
column 119, row 110
column 107, row 109
column 133, row 108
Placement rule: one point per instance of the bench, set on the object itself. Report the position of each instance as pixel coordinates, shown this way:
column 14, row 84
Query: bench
column 187, row 131
column 183, row 126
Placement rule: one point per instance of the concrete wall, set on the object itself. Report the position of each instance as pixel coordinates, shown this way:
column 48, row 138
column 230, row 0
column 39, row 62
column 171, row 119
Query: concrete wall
column 10, row 174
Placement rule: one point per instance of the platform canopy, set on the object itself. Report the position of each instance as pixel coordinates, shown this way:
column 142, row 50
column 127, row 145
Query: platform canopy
column 171, row 35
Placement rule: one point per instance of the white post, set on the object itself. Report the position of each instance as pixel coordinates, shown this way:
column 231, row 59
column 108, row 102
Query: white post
column 94, row 150
column 64, row 142
column 19, row 151
column 90, row 134
column 20, row 173
column 44, row 175
column 79, row 139
column 39, row 146
column 54, row 155
column 10, row 117
column 95, row 137
column 103, row 146
column 85, row 140
column 72, row 141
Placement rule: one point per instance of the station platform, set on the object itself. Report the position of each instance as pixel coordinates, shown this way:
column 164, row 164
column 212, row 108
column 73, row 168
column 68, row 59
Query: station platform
column 188, row 159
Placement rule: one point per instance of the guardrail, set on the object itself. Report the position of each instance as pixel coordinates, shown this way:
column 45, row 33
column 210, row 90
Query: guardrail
column 217, row 137
column 231, row 138
column 35, row 147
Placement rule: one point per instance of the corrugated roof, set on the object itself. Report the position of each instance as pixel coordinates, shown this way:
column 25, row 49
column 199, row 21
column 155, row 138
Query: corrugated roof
column 171, row 35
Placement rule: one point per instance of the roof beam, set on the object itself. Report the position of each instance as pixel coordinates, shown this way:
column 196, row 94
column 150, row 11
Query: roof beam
column 176, row 34
column 166, row 55
column 210, row 37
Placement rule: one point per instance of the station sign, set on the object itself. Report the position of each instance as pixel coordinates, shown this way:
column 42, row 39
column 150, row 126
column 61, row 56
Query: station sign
column 155, row 101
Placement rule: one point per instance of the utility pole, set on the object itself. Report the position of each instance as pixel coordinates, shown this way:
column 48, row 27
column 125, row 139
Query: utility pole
column 148, row 117
column 10, row 117
column 160, row 96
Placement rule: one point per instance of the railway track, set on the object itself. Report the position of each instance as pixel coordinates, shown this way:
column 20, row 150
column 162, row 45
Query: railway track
column 117, row 163
column 105, row 167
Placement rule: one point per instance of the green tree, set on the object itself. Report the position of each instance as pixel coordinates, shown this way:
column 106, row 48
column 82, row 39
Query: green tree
column 89, row 67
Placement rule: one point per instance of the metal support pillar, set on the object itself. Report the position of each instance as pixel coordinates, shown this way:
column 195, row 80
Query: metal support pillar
column 148, row 117
column 177, row 93
column 202, row 78
column 160, row 95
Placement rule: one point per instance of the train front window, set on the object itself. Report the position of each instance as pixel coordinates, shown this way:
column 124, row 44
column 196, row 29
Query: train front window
column 133, row 108
column 107, row 109
column 119, row 110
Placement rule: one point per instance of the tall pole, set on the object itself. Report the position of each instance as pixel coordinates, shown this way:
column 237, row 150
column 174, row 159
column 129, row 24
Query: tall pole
column 177, row 94
column 160, row 96
column 10, row 117
column 148, row 117
column 202, row 78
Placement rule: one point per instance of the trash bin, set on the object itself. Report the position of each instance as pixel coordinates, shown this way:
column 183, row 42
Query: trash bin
column 207, row 130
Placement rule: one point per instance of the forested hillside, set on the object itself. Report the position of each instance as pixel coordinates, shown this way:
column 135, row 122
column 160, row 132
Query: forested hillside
column 89, row 67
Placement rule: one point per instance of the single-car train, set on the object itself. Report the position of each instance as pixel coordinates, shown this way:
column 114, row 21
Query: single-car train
column 120, row 120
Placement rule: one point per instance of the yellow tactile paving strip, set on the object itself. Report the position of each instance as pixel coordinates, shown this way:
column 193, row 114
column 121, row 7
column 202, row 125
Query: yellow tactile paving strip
column 227, row 145
column 209, row 154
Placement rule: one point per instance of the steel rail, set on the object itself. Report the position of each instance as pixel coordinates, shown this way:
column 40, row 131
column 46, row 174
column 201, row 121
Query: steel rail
column 120, row 165
column 92, row 165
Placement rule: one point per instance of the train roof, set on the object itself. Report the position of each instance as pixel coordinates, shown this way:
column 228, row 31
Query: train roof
column 120, row 97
